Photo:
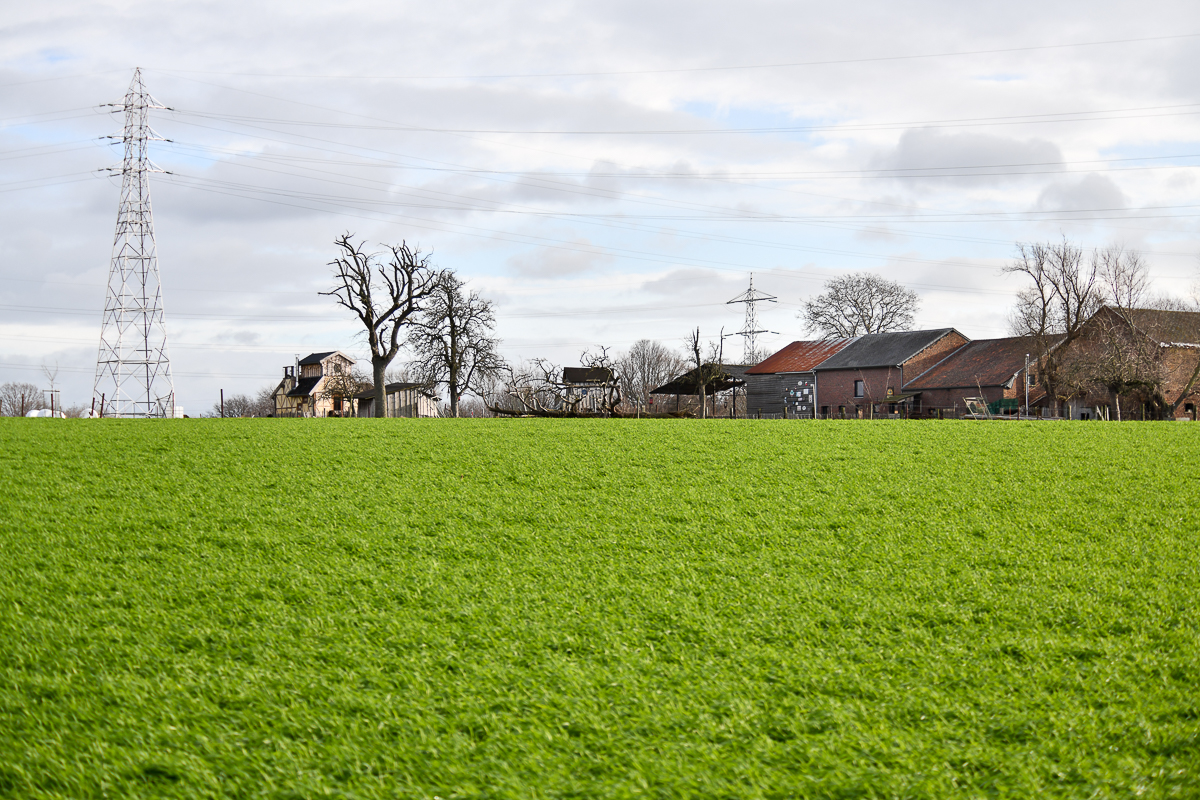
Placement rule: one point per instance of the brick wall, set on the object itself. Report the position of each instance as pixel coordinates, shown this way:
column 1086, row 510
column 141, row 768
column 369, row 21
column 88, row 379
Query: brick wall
column 933, row 354
column 835, row 388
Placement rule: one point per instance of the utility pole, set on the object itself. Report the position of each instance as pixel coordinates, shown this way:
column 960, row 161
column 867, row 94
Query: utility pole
column 750, row 330
column 1027, row 384
column 133, row 363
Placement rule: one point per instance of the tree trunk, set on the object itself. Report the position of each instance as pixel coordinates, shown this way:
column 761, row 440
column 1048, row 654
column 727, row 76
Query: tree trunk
column 378, row 365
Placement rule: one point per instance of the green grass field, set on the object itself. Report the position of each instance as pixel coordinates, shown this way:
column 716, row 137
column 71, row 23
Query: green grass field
column 595, row 609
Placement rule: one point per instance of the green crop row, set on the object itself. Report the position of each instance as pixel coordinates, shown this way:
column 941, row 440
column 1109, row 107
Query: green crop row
column 596, row 609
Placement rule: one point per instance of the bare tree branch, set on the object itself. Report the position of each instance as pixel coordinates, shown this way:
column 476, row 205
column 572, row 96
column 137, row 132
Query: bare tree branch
column 453, row 342
column 384, row 296
column 854, row 305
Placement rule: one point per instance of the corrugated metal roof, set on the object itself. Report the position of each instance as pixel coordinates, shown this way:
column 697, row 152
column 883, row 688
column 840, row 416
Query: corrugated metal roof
column 799, row 356
column 883, row 349
column 983, row 362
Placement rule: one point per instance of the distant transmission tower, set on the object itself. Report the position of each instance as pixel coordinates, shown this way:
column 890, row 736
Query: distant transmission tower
column 750, row 330
column 133, row 369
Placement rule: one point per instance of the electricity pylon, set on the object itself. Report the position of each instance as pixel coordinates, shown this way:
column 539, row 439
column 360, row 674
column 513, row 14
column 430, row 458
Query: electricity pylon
column 750, row 330
column 133, row 369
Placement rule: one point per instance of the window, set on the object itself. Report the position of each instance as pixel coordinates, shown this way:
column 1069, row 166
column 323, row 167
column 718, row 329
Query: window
column 858, row 388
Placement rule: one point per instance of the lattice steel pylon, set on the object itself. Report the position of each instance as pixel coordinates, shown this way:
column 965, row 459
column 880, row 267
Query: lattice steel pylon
column 750, row 330
column 133, row 369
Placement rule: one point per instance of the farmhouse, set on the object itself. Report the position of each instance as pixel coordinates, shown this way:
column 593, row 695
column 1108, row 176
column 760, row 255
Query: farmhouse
column 310, row 387
column 785, row 383
column 871, row 371
column 403, row 400
column 992, row 369
column 1136, row 363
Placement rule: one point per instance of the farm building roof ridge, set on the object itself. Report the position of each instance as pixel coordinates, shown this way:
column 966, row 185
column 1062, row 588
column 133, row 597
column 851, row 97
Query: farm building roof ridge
column 884, row 349
column 984, row 362
column 1169, row 328
column 799, row 356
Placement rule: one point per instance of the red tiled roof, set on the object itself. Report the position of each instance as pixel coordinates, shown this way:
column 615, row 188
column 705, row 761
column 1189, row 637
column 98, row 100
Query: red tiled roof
column 983, row 362
column 799, row 357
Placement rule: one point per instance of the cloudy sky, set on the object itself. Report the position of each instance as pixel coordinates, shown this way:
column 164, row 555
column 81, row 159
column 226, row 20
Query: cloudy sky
column 605, row 172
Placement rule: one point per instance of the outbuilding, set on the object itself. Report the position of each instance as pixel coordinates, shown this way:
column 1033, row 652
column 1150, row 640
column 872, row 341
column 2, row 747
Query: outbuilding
column 784, row 383
column 868, row 375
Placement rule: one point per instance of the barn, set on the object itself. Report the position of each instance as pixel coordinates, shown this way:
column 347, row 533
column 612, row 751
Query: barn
column 992, row 369
column 776, row 386
column 868, row 375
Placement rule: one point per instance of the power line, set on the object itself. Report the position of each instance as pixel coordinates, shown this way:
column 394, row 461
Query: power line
column 1018, row 119
column 664, row 71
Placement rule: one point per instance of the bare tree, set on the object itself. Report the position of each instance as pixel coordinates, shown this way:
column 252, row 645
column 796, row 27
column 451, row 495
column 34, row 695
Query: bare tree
column 235, row 405
column 18, row 398
column 647, row 365
column 264, row 402
column 706, row 373
column 599, row 360
column 854, row 305
column 538, row 388
column 453, row 342
column 385, row 297
column 1067, row 290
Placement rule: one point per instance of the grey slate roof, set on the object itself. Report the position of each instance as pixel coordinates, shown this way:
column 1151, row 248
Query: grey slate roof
column 315, row 358
column 304, row 387
column 883, row 349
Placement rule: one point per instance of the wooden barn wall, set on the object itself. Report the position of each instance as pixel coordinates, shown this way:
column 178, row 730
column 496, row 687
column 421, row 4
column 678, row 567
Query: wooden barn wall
column 764, row 394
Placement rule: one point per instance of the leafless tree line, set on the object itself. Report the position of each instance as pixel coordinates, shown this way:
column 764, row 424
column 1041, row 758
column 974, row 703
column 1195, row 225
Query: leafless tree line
column 1094, row 324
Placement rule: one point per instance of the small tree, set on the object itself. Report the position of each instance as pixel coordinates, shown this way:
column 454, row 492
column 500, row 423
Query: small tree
column 452, row 340
column 706, row 373
column 647, row 365
column 344, row 385
column 19, row 398
column 385, row 297
column 854, row 305
column 264, row 401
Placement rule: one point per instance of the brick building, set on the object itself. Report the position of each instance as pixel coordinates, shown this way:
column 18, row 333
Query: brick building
column 1132, row 364
column 868, row 376
column 993, row 369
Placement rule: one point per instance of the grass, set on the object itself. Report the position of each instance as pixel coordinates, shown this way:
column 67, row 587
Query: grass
column 598, row 609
